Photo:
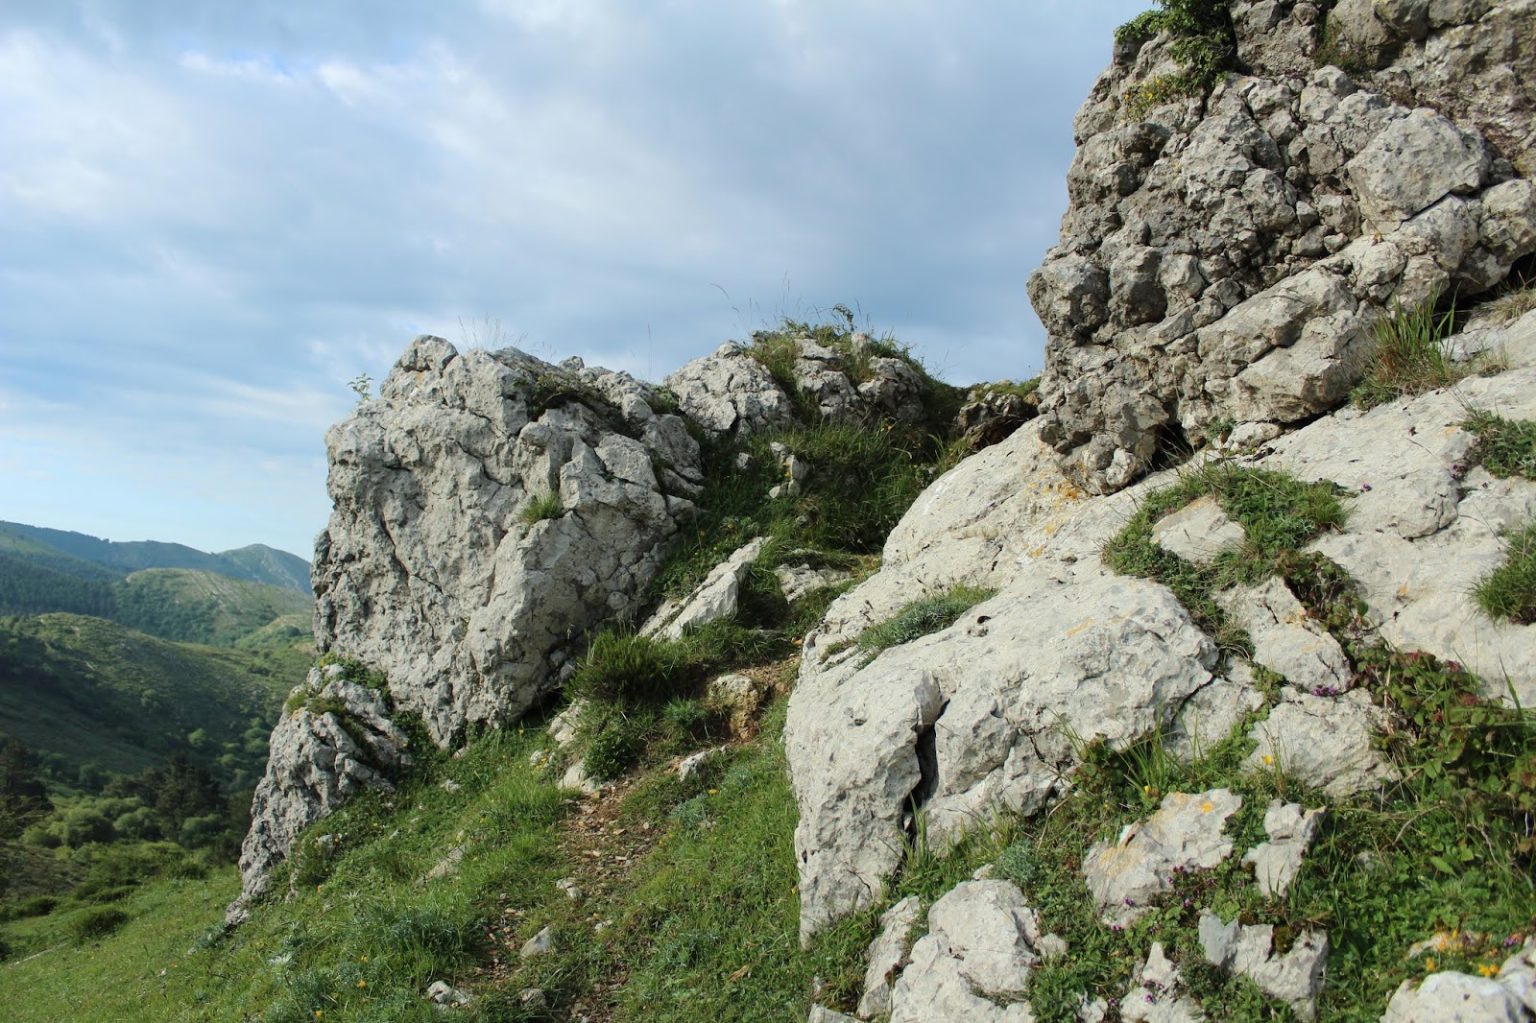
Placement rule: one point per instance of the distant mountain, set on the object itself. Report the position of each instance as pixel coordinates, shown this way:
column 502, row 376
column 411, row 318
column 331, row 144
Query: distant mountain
column 83, row 691
column 202, row 607
column 89, row 557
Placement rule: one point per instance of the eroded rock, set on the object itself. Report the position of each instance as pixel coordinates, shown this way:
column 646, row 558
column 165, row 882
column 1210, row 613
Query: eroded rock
column 1295, row 976
column 1290, row 830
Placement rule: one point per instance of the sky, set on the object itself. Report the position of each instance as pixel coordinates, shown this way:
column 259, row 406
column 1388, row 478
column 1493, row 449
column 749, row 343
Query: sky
column 214, row 215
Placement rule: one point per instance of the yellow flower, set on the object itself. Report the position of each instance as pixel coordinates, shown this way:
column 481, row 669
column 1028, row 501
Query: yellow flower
column 319, row 1014
column 1269, row 759
column 1429, row 964
column 1488, row 969
column 362, row 983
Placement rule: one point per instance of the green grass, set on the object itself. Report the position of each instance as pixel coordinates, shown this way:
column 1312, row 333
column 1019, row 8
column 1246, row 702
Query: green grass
column 1278, row 513
column 922, row 617
column 1408, row 355
column 364, row 913
column 1509, row 591
column 545, row 506
column 1204, row 46
column 1505, row 447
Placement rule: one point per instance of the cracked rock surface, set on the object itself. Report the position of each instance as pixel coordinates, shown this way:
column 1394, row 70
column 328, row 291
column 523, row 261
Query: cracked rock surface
column 339, row 741
column 1222, row 258
column 440, row 568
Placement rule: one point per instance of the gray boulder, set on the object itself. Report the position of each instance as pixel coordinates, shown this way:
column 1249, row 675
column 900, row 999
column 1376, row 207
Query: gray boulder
column 714, row 599
column 730, row 392
column 887, row 954
column 338, row 740
column 489, row 508
column 1295, row 976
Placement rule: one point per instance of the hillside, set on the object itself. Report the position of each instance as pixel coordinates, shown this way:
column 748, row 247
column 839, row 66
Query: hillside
column 82, row 691
column 202, row 607
column 90, row 557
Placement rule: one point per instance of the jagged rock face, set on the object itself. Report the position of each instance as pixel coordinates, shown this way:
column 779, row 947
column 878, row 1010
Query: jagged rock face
column 975, row 717
column 1222, row 260
column 338, row 742
column 434, row 568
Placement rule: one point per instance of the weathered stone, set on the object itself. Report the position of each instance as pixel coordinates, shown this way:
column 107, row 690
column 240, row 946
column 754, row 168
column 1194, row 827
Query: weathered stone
column 799, row 581
column 694, row 762
column 981, row 945
column 975, row 719
column 539, row 944
column 821, row 1014
column 1155, row 997
column 562, row 727
column 1198, row 532
column 1413, row 164
column 739, row 697
column 1451, row 997
column 1210, row 715
column 447, row 996
column 1286, row 639
column 340, row 740
column 730, row 392
column 1295, row 978
column 713, row 600
column 1322, row 741
column 434, row 567
column 1184, row 834
column 1290, row 830
column 886, row 955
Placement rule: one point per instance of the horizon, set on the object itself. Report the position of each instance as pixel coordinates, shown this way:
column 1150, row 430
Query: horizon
column 220, row 220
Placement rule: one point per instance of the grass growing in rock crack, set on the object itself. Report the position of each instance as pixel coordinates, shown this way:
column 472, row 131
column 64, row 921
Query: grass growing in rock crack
column 545, row 506
column 1509, row 591
column 922, row 617
column 1409, row 355
column 1278, row 513
column 1505, row 447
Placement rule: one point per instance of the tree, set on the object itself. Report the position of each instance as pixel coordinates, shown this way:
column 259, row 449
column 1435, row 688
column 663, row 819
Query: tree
column 23, row 797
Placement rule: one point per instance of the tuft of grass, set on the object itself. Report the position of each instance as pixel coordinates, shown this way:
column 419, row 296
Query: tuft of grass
column 922, row 617
column 1505, row 447
column 1509, row 591
column 545, row 506
column 1409, row 355
column 1515, row 302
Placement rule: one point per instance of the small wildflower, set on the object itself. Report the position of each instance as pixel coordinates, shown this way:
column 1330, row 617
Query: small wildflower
column 1365, row 487
column 1429, row 964
column 362, row 983
column 1488, row 969
column 1269, row 759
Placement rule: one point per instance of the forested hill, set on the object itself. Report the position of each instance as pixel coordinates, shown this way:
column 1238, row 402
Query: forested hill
column 89, row 557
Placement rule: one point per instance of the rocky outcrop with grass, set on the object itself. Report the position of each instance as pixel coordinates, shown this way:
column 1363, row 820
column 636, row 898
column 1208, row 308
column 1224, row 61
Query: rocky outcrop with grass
column 1231, row 238
column 489, row 509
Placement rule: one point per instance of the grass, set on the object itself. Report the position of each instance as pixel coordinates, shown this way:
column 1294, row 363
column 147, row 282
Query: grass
column 1505, row 447
column 544, row 506
column 1278, row 513
column 1409, row 355
column 922, row 617
column 1203, row 45
column 1515, row 302
column 1509, row 591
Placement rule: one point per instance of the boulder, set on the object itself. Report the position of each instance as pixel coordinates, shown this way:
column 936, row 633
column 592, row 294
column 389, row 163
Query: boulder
column 730, row 392
column 489, row 508
column 887, row 954
column 973, row 965
column 1155, row 998
column 713, row 600
column 1287, row 640
column 1198, row 532
column 1325, row 742
column 337, row 740
column 1290, row 830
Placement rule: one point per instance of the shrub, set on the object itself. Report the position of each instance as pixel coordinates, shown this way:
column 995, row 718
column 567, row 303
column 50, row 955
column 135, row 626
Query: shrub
column 92, row 924
column 1509, row 591
column 922, row 617
column 1408, row 355
column 629, row 669
column 615, row 749
column 1204, row 45
column 1505, row 447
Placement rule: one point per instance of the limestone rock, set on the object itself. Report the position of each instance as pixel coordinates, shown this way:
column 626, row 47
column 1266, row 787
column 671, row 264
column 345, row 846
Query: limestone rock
column 1508, row 997
column 713, row 600
column 974, row 719
column 1222, row 258
column 740, row 697
column 539, row 944
column 990, row 415
column 1324, row 742
column 1286, row 640
column 339, row 741
column 1155, row 998
column 1198, row 532
column 447, row 996
column 1295, row 977
column 562, row 727
column 1210, row 715
column 1186, row 833
column 799, row 581
column 821, row 1014
column 730, row 392
column 974, row 962
column 886, row 955
column 1290, row 830
column 437, row 567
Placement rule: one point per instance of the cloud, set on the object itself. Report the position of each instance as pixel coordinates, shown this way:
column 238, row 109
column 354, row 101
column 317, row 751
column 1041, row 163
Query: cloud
column 218, row 214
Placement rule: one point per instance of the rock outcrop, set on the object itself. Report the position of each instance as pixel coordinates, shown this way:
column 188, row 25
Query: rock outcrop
column 1223, row 257
column 490, row 508
column 337, row 740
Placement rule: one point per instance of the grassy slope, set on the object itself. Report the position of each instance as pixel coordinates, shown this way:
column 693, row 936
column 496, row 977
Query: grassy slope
column 201, row 607
column 90, row 690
